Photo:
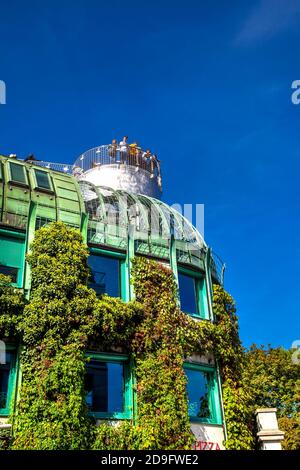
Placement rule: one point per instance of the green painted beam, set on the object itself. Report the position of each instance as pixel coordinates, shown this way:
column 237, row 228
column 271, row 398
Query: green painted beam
column 29, row 238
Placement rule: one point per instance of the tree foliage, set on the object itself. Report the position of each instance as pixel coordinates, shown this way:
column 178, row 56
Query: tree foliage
column 273, row 380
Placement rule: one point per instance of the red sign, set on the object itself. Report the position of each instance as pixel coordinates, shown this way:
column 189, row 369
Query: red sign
column 203, row 445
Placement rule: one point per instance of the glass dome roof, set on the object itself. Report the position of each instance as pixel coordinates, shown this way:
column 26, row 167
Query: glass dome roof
column 144, row 214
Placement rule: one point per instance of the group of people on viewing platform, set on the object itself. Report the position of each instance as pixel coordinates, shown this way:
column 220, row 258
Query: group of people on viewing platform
column 132, row 154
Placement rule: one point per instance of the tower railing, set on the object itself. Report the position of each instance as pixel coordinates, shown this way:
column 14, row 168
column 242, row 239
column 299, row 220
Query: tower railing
column 62, row 167
column 112, row 154
column 132, row 156
column 217, row 267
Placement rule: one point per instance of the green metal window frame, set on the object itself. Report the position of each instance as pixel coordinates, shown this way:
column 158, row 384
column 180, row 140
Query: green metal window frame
column 200, row 292
column 128, row 398
column 11, row 180
column 123, row 272
column 20, row 236
column 40, row 188
column 213, row 394
column 11, row 389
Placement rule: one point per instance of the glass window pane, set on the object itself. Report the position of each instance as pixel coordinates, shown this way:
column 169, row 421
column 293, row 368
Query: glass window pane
column 197, row 390
column 42, row 179
column 41, row 221
column 12, row 257
column 9, row 271
column 187, row 292
column 4, row 379
column 17, row 173
column 105, row 275
column 105, row 386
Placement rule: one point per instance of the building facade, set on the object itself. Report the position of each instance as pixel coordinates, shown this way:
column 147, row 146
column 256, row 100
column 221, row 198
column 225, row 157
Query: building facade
column 112, row 195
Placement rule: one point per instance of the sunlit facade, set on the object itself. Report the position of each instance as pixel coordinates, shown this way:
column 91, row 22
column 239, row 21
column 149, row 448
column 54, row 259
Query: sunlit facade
column 112, row 195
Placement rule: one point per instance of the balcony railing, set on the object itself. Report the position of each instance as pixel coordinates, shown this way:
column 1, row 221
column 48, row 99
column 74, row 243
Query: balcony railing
column 119, row 154
column 132, row 156
column 62, row 167
column 217, row 267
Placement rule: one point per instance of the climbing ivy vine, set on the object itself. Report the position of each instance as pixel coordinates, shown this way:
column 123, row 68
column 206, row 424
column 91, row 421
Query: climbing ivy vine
column 161, row 339
column 238, row 403
column 12, row 304
column 64, row 318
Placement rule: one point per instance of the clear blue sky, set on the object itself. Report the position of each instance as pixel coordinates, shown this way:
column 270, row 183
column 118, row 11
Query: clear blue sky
column 207, row 86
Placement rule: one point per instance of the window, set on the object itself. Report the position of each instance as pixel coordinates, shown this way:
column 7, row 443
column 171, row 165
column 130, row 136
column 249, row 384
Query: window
column 105, row 275
column 108, row 386
column 7, row 382
column 17, row 173
column 188, row 294
column 12, row 254
column 193, row 296
column 41, row 221
column 203, row 396
column 42, row 179
column 9, row 271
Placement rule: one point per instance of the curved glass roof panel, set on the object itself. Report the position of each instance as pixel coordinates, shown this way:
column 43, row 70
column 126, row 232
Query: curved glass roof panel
column 149, row 216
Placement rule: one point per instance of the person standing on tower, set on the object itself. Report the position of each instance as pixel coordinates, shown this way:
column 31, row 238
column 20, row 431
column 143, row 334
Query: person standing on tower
column 146, row 159
column 112, row 152
column 153, row 165
column 123, row 148
column 132, row 153
column 138, row 155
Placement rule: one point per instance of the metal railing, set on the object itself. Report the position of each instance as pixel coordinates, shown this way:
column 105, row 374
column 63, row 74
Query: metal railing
column 217, row 267
column 62, row 167
column 108, row 155
column 119, row 154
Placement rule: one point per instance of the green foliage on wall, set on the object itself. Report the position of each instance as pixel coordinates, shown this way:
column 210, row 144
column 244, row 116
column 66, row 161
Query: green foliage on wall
column 12, row 304
column 162, row 421
column 161, row 339
column 60, row 320
column 64, row 318
column 237, row 399
column 56, row 325
column 5, row 439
